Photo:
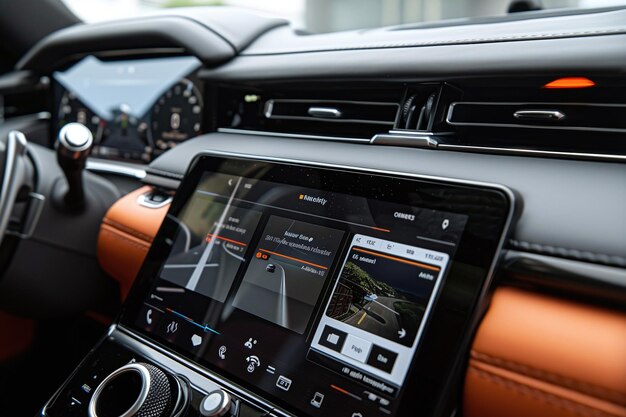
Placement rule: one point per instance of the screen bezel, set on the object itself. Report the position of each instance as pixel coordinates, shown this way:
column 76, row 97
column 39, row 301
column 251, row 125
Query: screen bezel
column 459, row 299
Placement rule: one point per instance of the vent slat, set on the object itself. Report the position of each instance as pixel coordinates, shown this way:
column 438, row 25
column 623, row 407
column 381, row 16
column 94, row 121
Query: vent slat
column 419, row 108
column 332, row 111
column 558, row 116
column 325, row 112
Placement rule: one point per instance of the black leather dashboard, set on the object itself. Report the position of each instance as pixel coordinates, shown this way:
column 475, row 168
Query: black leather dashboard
column 284, row 40
column 570, row 235
column 544, row 43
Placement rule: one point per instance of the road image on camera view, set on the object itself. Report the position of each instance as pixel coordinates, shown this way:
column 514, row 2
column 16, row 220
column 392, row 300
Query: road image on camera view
column 288, row 271
column 209, row 247
column 382, row 294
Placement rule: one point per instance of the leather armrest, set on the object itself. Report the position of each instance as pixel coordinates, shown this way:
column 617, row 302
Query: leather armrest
column 536, row 355
column 125, row 236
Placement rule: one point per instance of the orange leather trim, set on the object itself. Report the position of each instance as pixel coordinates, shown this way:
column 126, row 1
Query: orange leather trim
column 16, row 335
column 125, row 236
column 536, row 355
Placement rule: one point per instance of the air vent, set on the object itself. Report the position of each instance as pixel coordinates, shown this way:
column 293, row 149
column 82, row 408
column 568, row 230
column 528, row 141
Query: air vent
column 418, row 110
column 478, row 115
column 22, row 94
column 424, row 108
column 523, row 117
column 559, row 116
column 323, row 113
column 422, row 118
column 22, row 104
column 338, row 111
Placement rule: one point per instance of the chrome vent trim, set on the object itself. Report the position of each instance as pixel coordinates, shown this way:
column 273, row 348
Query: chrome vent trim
column 440, row 145
column 533, row 153
column 327, row 110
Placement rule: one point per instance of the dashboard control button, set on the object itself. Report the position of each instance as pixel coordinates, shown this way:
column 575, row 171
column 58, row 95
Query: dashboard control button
column 196, row 340
column 382, row 359
column 222, row 352
column 283, row 383
column 356, row 348
column 317, row 400
column 332, row 338
column 253, row 363
column 172, row 327
column 250, row 343
column 151, row 317
column 216, row 404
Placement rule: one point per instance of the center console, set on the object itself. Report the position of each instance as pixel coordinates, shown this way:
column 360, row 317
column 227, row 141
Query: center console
column 278, row 287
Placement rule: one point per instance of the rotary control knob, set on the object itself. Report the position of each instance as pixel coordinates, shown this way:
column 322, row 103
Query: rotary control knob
column 216, row 404
column 138, row 390
column 75, row 140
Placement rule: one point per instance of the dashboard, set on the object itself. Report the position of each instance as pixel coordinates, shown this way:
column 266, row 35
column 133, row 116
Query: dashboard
column 135, row 109
column 315, row 221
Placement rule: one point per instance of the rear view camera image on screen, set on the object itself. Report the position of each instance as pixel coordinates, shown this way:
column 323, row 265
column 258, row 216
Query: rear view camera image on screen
column 382, row 294
column 288, row 271
column 206, row 260
column 377, row 306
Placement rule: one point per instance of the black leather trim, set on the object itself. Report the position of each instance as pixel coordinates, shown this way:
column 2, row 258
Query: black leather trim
column 213, row 34
column 572, row 209
column 164, row 173
column 14, row 82
column 593, row 23
column 587, row 55
column 605, row 284
column 568, row 253
column 447, row 42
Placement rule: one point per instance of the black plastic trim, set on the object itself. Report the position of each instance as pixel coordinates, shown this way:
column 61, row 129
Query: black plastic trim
column 589, row 281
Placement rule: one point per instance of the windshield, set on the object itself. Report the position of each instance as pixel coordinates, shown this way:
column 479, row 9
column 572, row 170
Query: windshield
column 335, row 15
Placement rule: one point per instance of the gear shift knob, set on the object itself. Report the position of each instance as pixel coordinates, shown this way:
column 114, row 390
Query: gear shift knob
column 73, row 146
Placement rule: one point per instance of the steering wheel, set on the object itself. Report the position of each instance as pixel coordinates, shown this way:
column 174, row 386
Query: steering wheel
column 14, row 171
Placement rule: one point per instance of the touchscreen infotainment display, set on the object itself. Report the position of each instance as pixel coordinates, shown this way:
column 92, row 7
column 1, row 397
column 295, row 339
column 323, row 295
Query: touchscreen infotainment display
column 318, row 288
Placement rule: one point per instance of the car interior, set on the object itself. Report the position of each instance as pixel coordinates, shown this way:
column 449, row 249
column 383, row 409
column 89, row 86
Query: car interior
column 208, row 211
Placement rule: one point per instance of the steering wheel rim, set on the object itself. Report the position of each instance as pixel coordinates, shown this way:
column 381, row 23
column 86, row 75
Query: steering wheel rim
column 13, row 175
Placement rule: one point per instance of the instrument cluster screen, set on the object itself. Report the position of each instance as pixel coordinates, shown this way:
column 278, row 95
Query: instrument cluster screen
column 315, row 288
column 135, row 109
